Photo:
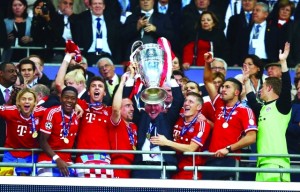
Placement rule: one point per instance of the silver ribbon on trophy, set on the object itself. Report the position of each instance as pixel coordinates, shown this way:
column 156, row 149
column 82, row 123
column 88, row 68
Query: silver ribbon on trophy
column 155, row 67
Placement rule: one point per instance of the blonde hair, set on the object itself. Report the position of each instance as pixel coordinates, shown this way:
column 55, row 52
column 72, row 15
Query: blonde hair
column 76, row 75
column 22, row 92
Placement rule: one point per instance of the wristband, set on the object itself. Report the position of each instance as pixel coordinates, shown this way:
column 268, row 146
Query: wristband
column 55, row 157
column 67, row 58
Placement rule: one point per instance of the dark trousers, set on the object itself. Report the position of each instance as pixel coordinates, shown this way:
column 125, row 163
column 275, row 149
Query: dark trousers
column 93, row 58
column 219, row 175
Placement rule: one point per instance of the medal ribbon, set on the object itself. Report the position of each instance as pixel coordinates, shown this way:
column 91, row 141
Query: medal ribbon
column 130, row 134
column 96, row 104
column 66, row 128
column 153, row 126
column 33, row 127
column 226, row 117
column 186, row 128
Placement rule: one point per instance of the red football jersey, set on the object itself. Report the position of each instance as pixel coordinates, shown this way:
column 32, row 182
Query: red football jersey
column 120, row 140
column 19, row 129
column 52, row 124
column 241, row 121
column 197, row 133
column 93, row 132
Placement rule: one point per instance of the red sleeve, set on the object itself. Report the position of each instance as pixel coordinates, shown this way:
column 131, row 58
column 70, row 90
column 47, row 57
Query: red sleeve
column 188, row 52
column 83, row 104
column 208, row 111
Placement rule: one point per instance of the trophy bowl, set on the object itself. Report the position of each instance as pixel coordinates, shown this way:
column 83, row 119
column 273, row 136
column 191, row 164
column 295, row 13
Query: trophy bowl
column 150, row 60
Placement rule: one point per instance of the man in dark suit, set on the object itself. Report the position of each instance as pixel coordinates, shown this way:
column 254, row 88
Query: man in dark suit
column 260, row 38
column 240, row 22
column 173, row 10
column 147, row 26
column 97, row 33
column 112, row 80
column 152, row 121
column 8, row 77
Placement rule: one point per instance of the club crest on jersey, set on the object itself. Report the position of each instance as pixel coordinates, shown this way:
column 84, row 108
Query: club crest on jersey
column 48, row 125
column 268, row 109
column 191, row 130
column 105, row 112
column 36, row 121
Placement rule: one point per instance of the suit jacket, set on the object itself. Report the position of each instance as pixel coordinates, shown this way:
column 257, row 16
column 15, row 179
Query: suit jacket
column 164, row 122
column 108, row 99
column 59, row 29
column 294, row 57
column 3, row 33
column 83, row 35
column 241, row 47
column 174, row 13
column 130, row 34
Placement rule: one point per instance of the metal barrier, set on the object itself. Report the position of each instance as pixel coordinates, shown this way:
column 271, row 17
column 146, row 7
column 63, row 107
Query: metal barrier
column 161, row 167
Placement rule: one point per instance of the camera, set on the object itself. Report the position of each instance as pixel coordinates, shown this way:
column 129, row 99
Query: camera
column 44, row 8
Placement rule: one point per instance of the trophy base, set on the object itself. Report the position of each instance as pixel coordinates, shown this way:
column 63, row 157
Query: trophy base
column 153, row 95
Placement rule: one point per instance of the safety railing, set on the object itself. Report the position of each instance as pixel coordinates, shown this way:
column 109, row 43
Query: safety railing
column 162, row 167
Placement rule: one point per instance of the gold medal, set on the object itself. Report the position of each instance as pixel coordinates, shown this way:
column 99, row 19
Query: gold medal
column 148, row 135
column 133, row 147
column 34, row 134
column 66, row 140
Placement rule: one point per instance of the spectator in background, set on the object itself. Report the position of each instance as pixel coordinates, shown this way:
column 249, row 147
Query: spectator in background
column 176, row 63
column 208, row 37
column 3, row 35
column 147, row 26
column 283, row 21
column 8, row 77
column 295, row 43
column 173, row 10
column 297, row 71
column 218, row 80
column 178, row 75
column 27, row 69
column 18, row 28
column 42, row 93
column 256, row 73
column 240, row 22
column 259, row 39
column 101, row 35
column 39, row 72
column 293, row 132
column 43, row 28
column 107, row 70
column 89, row 74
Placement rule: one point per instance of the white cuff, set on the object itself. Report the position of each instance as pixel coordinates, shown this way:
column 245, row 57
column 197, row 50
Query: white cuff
column 55, row 157
column 129, row 82
column 67, row 58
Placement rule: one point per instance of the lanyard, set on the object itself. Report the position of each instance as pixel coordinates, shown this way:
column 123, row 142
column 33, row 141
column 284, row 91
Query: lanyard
column 186, row 128
column 227, row 116
column 66, row 127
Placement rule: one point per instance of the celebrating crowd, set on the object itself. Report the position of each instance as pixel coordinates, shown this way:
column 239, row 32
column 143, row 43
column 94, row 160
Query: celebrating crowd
column 255, row 111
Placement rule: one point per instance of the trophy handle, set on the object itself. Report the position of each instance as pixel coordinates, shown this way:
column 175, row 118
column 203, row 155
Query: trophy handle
column 134, row 49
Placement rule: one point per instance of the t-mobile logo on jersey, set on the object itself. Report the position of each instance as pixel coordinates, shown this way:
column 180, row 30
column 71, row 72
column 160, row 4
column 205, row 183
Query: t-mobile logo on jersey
column 21, row 130
column 90, row 117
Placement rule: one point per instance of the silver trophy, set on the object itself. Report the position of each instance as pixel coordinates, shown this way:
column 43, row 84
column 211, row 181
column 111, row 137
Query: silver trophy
column 150, row 62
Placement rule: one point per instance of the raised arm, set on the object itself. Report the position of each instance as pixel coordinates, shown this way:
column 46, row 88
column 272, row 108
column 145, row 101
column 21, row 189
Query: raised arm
column 117, row 101
column 60, row 77
column 208, row 80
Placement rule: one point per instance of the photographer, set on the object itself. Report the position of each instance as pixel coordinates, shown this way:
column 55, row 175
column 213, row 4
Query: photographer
column 43, row 27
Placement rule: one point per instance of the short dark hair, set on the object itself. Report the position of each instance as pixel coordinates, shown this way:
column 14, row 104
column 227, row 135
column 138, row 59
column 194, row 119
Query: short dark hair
column 26, row 61
column 237, row 83
column 95, row 78
column 178, row 72
column 197, row 85
column 69, row 88
column 4, row 64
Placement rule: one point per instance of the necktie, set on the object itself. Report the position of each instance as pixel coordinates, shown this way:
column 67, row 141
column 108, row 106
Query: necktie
column 235, row 8
column 7, row 95
column 163, row 9
column 254, row 36
column 248, row 17
column 98, row 33
column 110, row 82
column 256, row 32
